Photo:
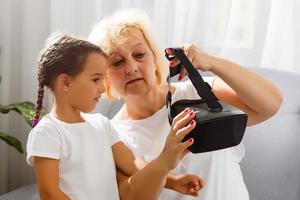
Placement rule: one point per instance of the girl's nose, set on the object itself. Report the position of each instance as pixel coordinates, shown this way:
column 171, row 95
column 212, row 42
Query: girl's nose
column 101, row 88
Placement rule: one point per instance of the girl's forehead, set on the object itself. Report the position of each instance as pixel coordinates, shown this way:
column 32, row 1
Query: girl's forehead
column 95, row 63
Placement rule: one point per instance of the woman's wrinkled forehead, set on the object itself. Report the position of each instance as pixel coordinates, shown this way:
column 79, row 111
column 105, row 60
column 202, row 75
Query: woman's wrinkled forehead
column 127, row 38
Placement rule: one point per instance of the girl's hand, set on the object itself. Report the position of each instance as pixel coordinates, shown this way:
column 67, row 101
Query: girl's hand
column 174, row 149
column 187, row 184
column 197, row 57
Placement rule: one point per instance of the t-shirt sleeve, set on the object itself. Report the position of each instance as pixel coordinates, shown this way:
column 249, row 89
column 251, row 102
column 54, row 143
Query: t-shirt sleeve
column 43, row 141
column 186, row 90
column 122, row 135
column 110, row 130
column 114, row 137
column 209, row 79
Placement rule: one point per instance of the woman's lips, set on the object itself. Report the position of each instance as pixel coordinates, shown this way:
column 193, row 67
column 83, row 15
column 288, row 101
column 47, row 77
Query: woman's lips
column 134, row 80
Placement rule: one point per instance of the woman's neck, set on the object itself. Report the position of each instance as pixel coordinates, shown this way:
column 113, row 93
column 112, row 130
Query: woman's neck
column 142, row 106
column 65, row 112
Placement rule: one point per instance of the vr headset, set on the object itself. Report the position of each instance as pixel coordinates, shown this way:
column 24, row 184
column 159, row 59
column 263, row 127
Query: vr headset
column 218, row 125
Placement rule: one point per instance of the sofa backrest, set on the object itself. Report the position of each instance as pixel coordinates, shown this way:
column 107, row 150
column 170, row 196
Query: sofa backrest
column 271, row 166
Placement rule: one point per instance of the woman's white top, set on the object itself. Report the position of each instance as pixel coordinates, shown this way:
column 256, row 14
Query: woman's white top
column 219, row 169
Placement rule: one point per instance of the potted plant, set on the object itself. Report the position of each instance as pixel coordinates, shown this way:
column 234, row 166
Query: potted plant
column 26, row 110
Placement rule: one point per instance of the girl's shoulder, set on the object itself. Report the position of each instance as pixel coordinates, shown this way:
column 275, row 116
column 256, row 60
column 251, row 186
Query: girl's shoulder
column 46, row 123
column 98, row 121
column 95, row 117
column 44, row 132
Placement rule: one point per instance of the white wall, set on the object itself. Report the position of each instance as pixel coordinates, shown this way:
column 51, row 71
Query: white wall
column 20, row 45
column 24, row 26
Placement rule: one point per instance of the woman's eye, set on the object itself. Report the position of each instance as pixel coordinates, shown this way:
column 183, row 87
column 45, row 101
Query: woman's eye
column 140, row 55
column 117, row 63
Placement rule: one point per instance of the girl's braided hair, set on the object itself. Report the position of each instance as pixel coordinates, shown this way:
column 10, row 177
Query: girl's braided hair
column 66, row 55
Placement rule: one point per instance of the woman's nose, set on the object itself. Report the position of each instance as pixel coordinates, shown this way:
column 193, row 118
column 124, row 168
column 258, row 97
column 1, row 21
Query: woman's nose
column 131, row 67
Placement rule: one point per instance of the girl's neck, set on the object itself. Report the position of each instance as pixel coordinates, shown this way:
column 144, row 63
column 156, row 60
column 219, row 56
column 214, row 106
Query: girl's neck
column 64, row 112
column 142, row 106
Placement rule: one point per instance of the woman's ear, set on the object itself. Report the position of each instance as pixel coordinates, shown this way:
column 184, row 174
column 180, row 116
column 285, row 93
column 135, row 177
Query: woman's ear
column 107, row 86
column 109, row 91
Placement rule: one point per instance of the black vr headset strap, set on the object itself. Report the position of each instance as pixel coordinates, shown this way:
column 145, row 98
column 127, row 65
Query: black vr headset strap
column 203, row 89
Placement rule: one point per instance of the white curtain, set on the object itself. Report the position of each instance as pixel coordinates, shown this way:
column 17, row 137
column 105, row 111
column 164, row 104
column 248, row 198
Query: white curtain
column 257, row 33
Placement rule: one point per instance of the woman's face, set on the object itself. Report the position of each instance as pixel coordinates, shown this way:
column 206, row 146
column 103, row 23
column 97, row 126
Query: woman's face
column 132, row 68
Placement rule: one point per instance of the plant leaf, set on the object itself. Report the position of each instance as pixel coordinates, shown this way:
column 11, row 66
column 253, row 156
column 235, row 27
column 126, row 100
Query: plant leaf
column 25, row 109
column 12, row 141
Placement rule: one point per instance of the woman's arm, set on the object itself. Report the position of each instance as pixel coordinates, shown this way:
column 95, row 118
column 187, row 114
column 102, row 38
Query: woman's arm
column 46, row 171
column 236, row 85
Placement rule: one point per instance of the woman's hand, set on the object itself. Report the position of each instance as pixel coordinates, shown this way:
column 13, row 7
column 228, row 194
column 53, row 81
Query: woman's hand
column 236, row 85
column 174, row 148
column 197, row 57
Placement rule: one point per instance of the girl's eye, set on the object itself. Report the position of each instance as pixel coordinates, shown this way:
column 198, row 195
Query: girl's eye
column 96, row 80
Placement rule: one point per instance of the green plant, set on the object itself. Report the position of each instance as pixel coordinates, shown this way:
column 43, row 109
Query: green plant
column 26, row 110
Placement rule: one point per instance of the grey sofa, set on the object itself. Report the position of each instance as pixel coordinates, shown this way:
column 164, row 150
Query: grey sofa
column 271, row 166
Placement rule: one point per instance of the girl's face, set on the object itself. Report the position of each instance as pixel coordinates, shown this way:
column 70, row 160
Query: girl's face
column 132, row 68
column 86, row 88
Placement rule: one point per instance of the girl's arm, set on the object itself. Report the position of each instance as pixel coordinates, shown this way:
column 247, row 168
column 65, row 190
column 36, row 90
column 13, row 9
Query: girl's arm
column 46, row 171
column 146, row 184
column 185, row 183
column 236, row 85
column 150, row 180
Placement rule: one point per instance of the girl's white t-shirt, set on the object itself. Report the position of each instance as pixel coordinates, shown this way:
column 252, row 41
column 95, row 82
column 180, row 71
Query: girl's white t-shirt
column 86, row 165
column 220, row 169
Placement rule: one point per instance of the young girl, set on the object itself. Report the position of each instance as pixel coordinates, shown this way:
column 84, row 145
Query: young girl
column 75, row 155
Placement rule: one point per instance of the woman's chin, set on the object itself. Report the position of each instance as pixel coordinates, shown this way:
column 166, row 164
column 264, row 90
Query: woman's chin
column 136, row 91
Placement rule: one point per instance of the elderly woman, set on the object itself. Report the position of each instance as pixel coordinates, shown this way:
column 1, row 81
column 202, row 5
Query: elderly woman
column 136, row 74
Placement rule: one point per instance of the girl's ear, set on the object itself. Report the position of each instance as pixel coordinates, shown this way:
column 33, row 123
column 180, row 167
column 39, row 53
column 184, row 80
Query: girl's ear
column 63, row 81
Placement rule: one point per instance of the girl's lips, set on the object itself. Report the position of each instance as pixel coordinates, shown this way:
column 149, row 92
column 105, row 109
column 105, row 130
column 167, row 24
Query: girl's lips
column 97, row 99
column 134, row 80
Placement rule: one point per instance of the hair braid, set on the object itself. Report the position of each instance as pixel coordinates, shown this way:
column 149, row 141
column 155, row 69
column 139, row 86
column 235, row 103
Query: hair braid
column 66, row 55
column 40, row 96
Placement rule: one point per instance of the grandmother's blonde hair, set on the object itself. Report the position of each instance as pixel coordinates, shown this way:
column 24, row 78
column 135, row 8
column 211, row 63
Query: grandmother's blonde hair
column 109, row 33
